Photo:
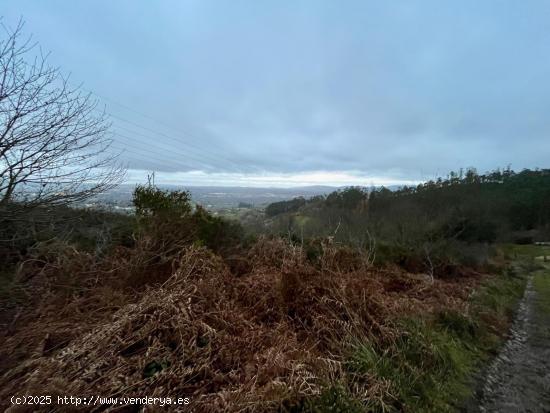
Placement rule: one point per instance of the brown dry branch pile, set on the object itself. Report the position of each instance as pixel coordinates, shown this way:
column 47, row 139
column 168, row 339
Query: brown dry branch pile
column 258, row 341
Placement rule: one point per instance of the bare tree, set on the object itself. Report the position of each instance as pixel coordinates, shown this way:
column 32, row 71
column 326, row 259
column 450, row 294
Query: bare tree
column 54, row 147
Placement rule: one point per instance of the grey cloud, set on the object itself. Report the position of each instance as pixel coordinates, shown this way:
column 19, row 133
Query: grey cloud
column 419, row 87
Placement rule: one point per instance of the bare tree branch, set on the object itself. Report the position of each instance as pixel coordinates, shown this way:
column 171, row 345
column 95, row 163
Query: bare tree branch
column 53, row 144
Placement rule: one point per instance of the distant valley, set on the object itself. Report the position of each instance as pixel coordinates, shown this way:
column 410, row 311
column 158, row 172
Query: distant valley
column 216, row 198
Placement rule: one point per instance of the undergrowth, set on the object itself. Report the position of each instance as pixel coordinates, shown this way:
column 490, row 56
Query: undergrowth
column 541, row 283
column 274, row 326
column 431, row 365
column 424, row 368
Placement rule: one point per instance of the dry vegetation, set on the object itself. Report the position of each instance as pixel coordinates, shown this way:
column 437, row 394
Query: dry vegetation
column 277, row 335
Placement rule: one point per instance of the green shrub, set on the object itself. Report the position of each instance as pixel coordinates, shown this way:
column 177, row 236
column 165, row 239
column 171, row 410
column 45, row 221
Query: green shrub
column 152, row 201
column 215, row 232
column 169, row 217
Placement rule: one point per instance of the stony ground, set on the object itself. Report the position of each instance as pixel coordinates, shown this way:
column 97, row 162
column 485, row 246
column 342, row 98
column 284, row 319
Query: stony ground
column 519, row 379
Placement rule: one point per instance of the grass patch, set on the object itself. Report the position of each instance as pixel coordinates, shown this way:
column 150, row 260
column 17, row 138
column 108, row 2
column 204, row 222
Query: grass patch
column 515, row 251
column 431, row 366
column 494, row 304
column 335, row 399
column 541, row 284
column 426, row 368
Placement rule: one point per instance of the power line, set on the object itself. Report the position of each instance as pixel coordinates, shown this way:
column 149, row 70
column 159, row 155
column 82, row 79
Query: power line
column 147, row 151
column 198, row 157
column 180, row 131
column 147, row 157
column 174, row 139
column 150, row 148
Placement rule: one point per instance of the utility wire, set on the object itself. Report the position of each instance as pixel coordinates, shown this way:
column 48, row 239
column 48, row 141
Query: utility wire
column 147, row 157
column 172, row 138
column 166, row 152
column 146, row 152
column 144, row 115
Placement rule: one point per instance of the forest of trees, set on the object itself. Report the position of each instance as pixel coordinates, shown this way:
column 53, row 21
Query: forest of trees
column 476, row 207
column 281, row 207
column 435, row 226
column 501, row 204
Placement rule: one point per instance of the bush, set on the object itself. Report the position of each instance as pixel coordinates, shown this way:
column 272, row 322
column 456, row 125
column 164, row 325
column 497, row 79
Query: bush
column 215, row 232
column 170, row 219
column 152, row 201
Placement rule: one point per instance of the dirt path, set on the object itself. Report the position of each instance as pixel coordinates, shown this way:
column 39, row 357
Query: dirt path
column 519, row 379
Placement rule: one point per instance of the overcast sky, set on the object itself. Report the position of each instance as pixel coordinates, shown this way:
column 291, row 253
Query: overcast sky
column 284, row 93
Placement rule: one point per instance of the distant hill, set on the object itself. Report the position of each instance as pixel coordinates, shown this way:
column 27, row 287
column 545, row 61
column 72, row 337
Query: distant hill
column 500, row 205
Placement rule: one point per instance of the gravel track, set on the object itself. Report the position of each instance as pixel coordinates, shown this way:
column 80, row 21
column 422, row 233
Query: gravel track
column 519, row 378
